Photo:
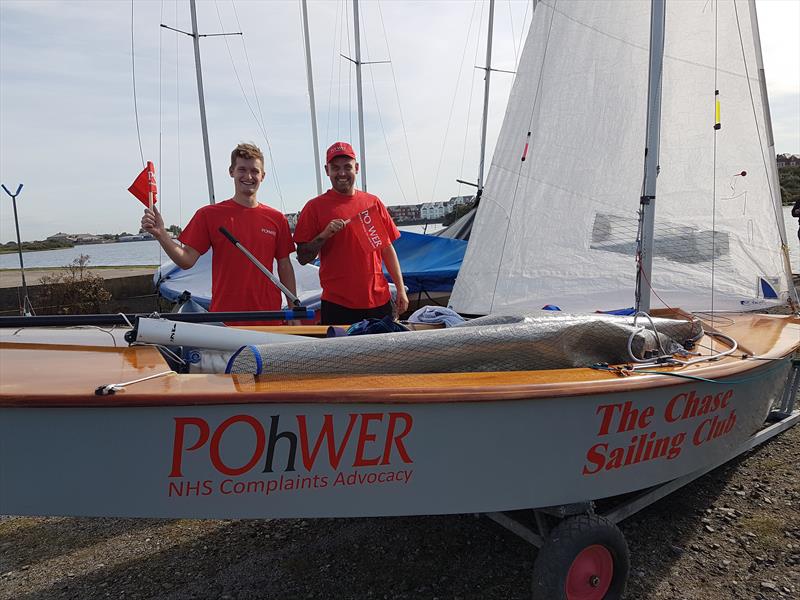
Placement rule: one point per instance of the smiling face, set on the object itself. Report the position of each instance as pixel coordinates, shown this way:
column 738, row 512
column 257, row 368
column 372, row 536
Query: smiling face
column 342, row 171
column 247, row 174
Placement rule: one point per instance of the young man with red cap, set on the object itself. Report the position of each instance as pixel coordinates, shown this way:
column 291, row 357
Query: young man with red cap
column 236, row 283
column 340, row 226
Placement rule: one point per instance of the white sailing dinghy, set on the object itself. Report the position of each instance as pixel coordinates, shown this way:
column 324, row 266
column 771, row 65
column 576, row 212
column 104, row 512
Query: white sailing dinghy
column 558, row 227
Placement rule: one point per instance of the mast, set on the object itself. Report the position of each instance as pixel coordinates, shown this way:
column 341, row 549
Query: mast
column 647, row 200
column 486, row 97
column 363, row 161
column 196, row 42
column 310, row 77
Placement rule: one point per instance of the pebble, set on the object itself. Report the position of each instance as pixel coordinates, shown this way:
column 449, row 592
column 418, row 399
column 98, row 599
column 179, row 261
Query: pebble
column 770, row 586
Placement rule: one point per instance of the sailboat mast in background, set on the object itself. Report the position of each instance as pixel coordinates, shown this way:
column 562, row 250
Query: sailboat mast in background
column 310, row 78
column 198, row 69
column 647, row 202
column 486, row 96
column 362, row 151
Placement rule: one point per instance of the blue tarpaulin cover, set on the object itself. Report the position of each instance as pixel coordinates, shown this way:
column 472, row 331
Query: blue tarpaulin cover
column 429, row 263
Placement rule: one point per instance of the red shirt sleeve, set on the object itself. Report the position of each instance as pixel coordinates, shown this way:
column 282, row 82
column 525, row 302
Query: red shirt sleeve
column 196, row 233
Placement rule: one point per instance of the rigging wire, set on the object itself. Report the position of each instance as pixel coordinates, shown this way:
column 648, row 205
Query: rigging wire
column 331, row 80
column 350, row 90
column 453, row 103
column 178, row 119
column 380, row 116
column 468, row 119
column 133, row 75
column 534, row 107
column 259, row 118
column 715, row 8
column 399, row 105
column 160, row 119
column 755, row 116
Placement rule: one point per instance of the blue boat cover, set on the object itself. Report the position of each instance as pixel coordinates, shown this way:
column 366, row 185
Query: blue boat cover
column 429, row 263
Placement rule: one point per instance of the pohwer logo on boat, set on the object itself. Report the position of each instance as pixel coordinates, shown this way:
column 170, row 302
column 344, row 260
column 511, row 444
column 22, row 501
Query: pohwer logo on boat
column 242, row 455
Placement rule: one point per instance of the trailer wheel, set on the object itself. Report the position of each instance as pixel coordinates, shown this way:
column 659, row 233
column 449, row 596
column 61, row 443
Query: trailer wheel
column 584, row 558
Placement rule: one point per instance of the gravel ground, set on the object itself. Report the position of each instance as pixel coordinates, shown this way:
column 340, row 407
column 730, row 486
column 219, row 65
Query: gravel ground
column 733, row 534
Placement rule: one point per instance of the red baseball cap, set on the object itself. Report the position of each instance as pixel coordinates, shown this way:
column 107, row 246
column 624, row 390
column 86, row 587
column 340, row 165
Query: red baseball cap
column 339, row 149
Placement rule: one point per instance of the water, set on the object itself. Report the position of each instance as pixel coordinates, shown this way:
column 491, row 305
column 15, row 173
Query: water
column 118, row 255
column 150, row 253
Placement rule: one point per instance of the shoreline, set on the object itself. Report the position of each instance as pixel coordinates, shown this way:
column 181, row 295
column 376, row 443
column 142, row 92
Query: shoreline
column 10, row 278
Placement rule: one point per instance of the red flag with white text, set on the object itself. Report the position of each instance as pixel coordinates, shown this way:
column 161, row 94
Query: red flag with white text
column 370, row 230
column 144, row 186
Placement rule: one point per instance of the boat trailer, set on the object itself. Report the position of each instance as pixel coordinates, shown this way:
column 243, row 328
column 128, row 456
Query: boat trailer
column 583, row 554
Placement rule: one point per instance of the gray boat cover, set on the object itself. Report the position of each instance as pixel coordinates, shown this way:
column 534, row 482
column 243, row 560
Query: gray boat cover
column 545, row 340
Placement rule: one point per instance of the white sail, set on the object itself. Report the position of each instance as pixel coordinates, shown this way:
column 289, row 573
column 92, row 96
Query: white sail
column 560, row 227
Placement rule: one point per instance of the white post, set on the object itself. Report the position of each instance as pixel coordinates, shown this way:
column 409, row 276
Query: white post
column 362, row 151
column 310, row 77
column 196, row 40
column 647, row 207
column 486, row 96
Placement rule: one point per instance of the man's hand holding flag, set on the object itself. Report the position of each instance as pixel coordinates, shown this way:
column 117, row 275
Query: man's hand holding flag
column 144, row 186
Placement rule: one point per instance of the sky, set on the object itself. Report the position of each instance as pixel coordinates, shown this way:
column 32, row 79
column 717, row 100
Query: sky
column 75, row 133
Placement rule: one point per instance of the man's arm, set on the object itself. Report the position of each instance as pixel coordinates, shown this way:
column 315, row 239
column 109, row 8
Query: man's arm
column 286, row 275
column 307, row 251
column 183, row 256
column 796, row 209
column 393, row 266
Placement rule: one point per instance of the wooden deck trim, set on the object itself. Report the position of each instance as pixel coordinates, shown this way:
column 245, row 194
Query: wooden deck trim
column 194, row 390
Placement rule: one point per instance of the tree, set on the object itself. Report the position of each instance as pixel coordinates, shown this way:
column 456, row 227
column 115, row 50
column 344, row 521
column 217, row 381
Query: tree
column 457, row 213
column 790, row 184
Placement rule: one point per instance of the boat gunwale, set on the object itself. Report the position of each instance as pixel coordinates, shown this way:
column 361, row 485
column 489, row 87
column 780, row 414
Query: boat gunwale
column 154, row 396
column 370, row 389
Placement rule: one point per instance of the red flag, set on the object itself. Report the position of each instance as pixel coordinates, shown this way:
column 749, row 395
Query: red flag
column 369, row 229
column 144, row 186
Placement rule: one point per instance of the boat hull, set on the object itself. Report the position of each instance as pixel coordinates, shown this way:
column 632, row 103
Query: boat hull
column 298, row 459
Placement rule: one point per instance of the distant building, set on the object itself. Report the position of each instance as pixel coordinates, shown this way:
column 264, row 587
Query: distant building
column 456, row 201
column 431, row 211
column 402, row 213
column 87, row 238
column 788, row 160
column 139, row 237
column 60, row 237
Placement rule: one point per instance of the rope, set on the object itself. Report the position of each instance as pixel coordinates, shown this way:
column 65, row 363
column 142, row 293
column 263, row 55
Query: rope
column 453, row 103
column 469, row 113
column 259, row 121
column 330, row 87
column 399, row 106
column 380, row 119
column 534, row 107
column 714, row 171
column 135, row 104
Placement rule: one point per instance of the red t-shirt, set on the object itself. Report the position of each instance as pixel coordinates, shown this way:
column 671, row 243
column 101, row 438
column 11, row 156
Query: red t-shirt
column 236, row 283
column 349, row 276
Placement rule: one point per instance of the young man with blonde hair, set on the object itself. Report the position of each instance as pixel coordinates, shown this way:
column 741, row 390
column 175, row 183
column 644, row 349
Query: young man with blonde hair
column 236, row 283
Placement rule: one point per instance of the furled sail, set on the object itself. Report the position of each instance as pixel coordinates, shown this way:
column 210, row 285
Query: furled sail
column 557, row 223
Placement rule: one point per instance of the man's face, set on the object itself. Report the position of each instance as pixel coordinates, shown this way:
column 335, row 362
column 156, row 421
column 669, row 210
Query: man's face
column 342, row 171
column 247, row 173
